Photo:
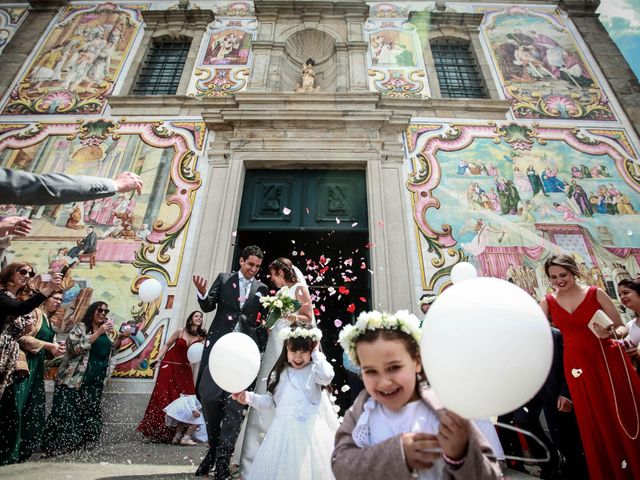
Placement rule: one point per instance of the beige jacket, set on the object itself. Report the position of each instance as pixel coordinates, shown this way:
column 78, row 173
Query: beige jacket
column 385, row 460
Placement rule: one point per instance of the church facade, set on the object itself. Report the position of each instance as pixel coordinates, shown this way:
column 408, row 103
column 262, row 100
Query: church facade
column 376, row 144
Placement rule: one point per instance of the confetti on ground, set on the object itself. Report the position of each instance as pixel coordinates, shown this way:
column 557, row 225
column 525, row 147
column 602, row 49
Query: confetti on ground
column 286, row 211
column 337, row 322
column 576, row 372
column 354, row 224
column 351, row 308
column 345, row 388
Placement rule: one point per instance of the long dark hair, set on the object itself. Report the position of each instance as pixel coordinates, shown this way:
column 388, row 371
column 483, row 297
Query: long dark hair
column 88, row 316
column 630, row 283
column 295, row 344
column 199, row 332
column 285, row 266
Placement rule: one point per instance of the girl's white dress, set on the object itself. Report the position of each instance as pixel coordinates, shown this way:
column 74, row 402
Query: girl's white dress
column 181, row 410
column 377, row 424
column 299, row 442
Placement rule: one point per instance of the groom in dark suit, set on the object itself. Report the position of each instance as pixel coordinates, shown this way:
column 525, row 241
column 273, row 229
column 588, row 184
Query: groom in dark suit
column 236, row 299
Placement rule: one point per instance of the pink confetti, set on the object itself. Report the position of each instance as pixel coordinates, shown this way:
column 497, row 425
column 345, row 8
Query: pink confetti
column 381, row 223
column 286, row 211
column 337, row 322
column 348, row 262
column 323, row 308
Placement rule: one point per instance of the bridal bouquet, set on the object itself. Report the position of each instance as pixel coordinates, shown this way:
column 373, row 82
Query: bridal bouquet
column 278, row 306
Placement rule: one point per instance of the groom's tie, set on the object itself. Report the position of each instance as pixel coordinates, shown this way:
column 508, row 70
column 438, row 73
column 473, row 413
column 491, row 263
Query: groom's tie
column 245, row 286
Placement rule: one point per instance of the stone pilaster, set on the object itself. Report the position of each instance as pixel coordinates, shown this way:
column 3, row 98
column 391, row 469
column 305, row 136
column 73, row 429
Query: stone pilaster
column 614, row 66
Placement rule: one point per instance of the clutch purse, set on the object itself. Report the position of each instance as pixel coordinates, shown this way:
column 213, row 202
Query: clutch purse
column 601, row 319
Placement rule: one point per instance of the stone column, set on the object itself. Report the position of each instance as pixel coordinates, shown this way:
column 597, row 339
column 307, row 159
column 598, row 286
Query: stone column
column 32, row 29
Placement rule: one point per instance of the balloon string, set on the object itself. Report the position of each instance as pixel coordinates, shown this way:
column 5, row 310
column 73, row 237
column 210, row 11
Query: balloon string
column 526, row 433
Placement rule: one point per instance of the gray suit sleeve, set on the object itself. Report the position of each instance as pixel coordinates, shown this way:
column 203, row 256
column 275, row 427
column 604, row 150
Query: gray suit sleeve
column 23, row 188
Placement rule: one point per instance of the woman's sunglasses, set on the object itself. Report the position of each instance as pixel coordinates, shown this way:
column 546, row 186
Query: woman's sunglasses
column 26, row 271
column 103, row 310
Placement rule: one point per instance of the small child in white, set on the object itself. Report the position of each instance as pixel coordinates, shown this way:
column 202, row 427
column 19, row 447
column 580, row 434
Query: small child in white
column 186, row 414
column 299, row 442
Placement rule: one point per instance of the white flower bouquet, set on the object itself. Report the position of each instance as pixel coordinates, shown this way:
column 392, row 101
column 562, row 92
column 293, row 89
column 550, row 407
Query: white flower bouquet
column 278, row 306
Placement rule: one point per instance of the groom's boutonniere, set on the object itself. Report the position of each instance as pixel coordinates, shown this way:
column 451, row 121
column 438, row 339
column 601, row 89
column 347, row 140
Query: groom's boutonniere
column 279, row 305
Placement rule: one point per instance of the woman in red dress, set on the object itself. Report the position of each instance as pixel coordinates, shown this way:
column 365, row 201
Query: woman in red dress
column 175, row 378
column 604, row 389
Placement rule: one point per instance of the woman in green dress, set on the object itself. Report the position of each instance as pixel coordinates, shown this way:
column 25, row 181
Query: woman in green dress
column 75, row 421
column 30, row 395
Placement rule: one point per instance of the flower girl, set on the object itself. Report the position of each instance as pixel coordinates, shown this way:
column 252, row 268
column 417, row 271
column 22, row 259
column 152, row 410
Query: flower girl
column 397, row 427
column 299, row 441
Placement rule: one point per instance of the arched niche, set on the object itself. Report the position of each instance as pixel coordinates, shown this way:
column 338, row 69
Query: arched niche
column 305, row 44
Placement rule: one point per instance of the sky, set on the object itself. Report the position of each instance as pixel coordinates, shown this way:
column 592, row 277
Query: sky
column 621, row 18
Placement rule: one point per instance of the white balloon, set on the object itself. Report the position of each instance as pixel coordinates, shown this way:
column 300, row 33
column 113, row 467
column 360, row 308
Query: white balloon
column 486, row 347
column 150, row 290
column 234, row 362
column 463, row 271
column 194, row 354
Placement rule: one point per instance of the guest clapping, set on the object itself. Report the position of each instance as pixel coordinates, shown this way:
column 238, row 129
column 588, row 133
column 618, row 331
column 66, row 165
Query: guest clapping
column 75, row 421
column 30, row 393
column 16, row 320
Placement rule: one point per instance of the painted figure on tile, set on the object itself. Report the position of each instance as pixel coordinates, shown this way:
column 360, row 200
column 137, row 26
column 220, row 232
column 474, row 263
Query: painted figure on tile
column 551, row 182
column 577, row 193
column 568, row 215
column 78, row 63
column 230, row 47
column 482, row 236
column 535, row 181
column 541, row 66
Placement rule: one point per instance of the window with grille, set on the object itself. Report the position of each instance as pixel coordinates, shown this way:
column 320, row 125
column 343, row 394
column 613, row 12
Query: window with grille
column 457, row 70
column 161, row 71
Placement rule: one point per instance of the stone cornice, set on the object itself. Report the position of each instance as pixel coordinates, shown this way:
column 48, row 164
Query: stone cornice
column 579, row 7
column 272, row 8
column 253, row 109
column 456, row 19
column 154, row 18
column 46, row 4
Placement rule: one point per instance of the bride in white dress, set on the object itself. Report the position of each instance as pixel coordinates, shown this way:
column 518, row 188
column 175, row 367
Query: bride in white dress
column 283, row 273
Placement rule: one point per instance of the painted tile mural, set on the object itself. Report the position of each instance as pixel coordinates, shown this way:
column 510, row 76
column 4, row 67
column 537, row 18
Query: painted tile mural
column 224, row 60
column 506, row 196
column 541, row 67
column 10, row 18
column 396, row 68
column 138, row 236
column 77, row 64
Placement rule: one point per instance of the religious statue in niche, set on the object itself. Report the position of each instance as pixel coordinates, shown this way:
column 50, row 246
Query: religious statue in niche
column 308, row 78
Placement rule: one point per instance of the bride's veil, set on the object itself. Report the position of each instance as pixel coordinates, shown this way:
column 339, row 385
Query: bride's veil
column 303, row 281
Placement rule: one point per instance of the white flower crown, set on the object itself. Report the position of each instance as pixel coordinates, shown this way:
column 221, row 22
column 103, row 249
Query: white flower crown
column 427, row 300
column 401, row 320
column 313, row 333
